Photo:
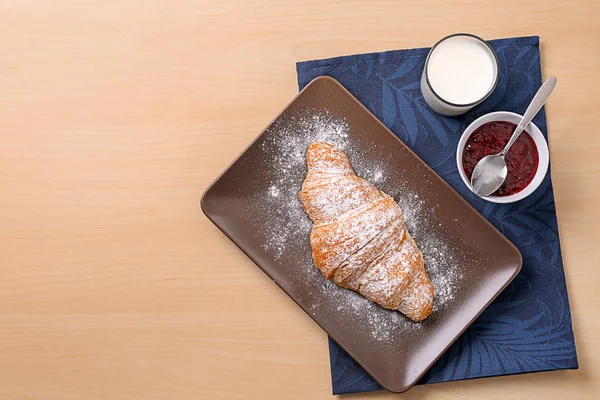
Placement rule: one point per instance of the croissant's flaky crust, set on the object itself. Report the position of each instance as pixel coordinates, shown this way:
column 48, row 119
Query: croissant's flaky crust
column 359, row 239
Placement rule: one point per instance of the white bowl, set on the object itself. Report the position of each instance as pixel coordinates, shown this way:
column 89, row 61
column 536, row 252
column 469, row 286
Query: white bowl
column 536, row 135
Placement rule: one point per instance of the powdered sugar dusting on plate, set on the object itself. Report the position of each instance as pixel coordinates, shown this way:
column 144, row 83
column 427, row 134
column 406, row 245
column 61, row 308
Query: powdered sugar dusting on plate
column 285, row 150
column 288, row 228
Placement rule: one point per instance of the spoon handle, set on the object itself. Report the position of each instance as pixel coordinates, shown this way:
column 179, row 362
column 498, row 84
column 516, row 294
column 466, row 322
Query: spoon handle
column 535, row 106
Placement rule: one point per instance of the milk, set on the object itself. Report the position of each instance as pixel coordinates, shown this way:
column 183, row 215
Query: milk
column 461, row 71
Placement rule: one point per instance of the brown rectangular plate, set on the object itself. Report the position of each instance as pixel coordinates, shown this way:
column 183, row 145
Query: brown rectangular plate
column 254, row 202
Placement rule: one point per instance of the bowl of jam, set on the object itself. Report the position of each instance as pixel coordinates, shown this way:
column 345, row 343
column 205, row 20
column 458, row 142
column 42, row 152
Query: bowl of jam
column 527, row 160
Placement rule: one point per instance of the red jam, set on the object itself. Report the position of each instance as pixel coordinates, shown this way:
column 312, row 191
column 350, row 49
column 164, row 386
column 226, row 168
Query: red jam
column 522, row 159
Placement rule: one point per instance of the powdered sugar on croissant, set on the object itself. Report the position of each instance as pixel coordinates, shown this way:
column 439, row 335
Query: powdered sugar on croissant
column 359, row 239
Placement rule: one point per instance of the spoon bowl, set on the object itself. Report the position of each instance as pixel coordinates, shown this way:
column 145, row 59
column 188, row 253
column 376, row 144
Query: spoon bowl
column 489, row 174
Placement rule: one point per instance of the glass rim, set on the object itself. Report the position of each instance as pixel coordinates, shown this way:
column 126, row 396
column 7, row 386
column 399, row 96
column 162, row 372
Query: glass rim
column 495, row 59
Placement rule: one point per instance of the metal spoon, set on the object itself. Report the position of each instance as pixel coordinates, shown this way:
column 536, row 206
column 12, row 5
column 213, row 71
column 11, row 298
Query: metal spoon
column 490, row 172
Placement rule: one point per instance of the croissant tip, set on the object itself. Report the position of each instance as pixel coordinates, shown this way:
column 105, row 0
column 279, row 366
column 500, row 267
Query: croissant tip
column 426, row 313
column 422, row 316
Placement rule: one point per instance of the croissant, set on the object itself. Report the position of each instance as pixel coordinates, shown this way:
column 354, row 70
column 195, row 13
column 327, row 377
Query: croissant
column 359, row 239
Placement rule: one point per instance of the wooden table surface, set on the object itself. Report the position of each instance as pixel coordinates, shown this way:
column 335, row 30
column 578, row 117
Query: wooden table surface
column 114, row 117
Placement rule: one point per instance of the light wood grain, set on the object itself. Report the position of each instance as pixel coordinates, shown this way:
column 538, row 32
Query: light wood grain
column 115, row 115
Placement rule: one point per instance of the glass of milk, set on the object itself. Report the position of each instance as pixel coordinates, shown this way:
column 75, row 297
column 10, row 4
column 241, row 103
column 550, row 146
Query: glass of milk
column 460, row 72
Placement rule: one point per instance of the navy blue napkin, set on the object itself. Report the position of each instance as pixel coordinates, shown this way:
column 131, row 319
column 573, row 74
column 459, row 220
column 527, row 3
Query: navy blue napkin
column 528, row 327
